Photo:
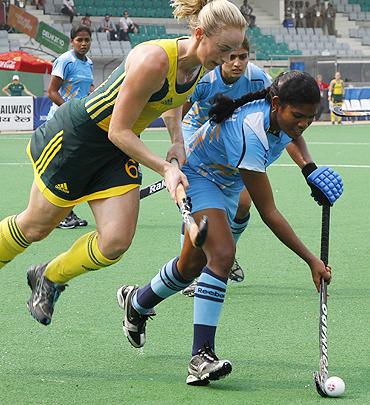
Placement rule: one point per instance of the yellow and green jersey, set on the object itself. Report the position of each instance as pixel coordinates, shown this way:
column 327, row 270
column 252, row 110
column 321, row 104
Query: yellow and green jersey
column 337, row 90
column 99, row 104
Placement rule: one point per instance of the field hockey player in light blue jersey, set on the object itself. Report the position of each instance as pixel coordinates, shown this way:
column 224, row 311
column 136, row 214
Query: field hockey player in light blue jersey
column 72, row 74
column 234, row 78
column 229, row 152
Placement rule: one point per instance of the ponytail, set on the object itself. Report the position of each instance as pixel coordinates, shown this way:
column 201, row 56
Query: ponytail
column 212, row 15
column 294, row 88
column 224, row 107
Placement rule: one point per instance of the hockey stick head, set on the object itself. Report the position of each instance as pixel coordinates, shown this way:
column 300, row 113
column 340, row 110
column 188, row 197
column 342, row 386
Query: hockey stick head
column 320, row 388
column 338, row 110
column 202, row 232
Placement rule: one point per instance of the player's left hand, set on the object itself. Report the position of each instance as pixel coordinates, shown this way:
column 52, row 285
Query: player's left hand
column 177, row 151
column 326, row 184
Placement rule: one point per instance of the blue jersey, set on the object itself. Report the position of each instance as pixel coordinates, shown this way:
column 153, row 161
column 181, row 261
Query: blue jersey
column 77, row 76
column 243, row 141
column 254, row 79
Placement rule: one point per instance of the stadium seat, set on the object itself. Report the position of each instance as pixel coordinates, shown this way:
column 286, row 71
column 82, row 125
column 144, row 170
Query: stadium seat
column 347, row 105
column 106, row 51
column 117, row 52
column 355, row 105
column 102, row 36
column 365, row 104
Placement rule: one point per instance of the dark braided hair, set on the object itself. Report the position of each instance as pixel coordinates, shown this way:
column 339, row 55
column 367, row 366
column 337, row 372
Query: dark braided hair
column 294, row 88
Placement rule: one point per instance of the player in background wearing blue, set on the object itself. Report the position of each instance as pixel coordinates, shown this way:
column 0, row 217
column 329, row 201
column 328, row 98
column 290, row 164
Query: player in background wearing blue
column 233, row 78
column 233, row 150
column 72, row 77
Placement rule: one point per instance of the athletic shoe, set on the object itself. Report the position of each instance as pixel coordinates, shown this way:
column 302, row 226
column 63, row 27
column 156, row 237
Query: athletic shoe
column 189, row 291
column 236, row 273
column 205, row 367
column 80, row 221
column 134, row 323
column 68, row 222
column 44, row 294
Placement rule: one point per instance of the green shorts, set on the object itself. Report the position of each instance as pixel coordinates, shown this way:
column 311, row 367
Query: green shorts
column 337, row 98
column 74, row 161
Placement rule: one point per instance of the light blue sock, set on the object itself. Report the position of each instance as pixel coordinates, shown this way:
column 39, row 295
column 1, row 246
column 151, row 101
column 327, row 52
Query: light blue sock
column 166, row 283
column 238, row 226
column 208, row 303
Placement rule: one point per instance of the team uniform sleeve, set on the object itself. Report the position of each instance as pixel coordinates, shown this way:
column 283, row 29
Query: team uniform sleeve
column 201, row 91
column 267, row 80
column 244, row 150
column 59, row 68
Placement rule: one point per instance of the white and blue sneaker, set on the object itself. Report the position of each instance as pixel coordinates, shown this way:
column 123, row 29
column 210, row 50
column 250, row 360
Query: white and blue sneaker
column 205, row 367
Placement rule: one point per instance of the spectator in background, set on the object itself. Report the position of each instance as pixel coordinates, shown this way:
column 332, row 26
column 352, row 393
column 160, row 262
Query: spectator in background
column 69, row 9
column 330, row 14
column 289, row 21
column 307, row 10
column 323, row 87
column 16, row 88
column 40, row 4
column 108, row 26
column 247, row 10
column 317, row 14
column 86, row 21
column 299, row 15
column 123, row 30
column 132, row 27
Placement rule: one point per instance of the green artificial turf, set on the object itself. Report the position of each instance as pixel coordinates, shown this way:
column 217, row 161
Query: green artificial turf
column 269, row 326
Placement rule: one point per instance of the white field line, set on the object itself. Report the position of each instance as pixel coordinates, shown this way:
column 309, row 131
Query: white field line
column 17, row 138
column 273, row 165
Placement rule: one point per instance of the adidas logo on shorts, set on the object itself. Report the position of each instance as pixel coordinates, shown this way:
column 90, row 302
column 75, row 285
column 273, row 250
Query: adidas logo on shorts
column 62, row 187
column 169, row 101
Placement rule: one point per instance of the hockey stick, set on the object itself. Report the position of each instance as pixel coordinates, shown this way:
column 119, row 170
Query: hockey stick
column 152, row 188
column 321, row 376
column 197, row 234
column 338, row 110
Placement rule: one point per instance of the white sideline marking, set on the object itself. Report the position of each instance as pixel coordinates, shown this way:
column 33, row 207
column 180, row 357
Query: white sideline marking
column 308, row 143
column 273, row 165
column 17, row 138
column 328, row 165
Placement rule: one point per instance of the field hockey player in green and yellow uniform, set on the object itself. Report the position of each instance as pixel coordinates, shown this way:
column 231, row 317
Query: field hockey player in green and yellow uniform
column 90, row 150
column 336, row 95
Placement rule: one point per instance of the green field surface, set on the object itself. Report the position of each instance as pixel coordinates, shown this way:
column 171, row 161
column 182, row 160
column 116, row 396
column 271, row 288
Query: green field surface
column 269, row 325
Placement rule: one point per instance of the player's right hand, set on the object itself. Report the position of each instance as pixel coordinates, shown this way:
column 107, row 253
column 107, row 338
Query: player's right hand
column 173, row 177
column 318, row 271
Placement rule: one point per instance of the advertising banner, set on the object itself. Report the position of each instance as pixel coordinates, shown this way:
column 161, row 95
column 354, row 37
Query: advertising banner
column 42, row 107
column 16, row 113
column 22, row 21
column 52, row 39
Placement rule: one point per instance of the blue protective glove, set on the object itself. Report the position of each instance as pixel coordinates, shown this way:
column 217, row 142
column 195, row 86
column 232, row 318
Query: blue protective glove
column 326, row 184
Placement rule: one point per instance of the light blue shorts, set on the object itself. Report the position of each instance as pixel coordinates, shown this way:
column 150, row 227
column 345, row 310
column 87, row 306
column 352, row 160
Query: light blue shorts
column 206, row 194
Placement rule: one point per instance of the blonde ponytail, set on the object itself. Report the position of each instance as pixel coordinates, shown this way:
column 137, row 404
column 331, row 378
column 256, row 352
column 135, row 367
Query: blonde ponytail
column 212, row 15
